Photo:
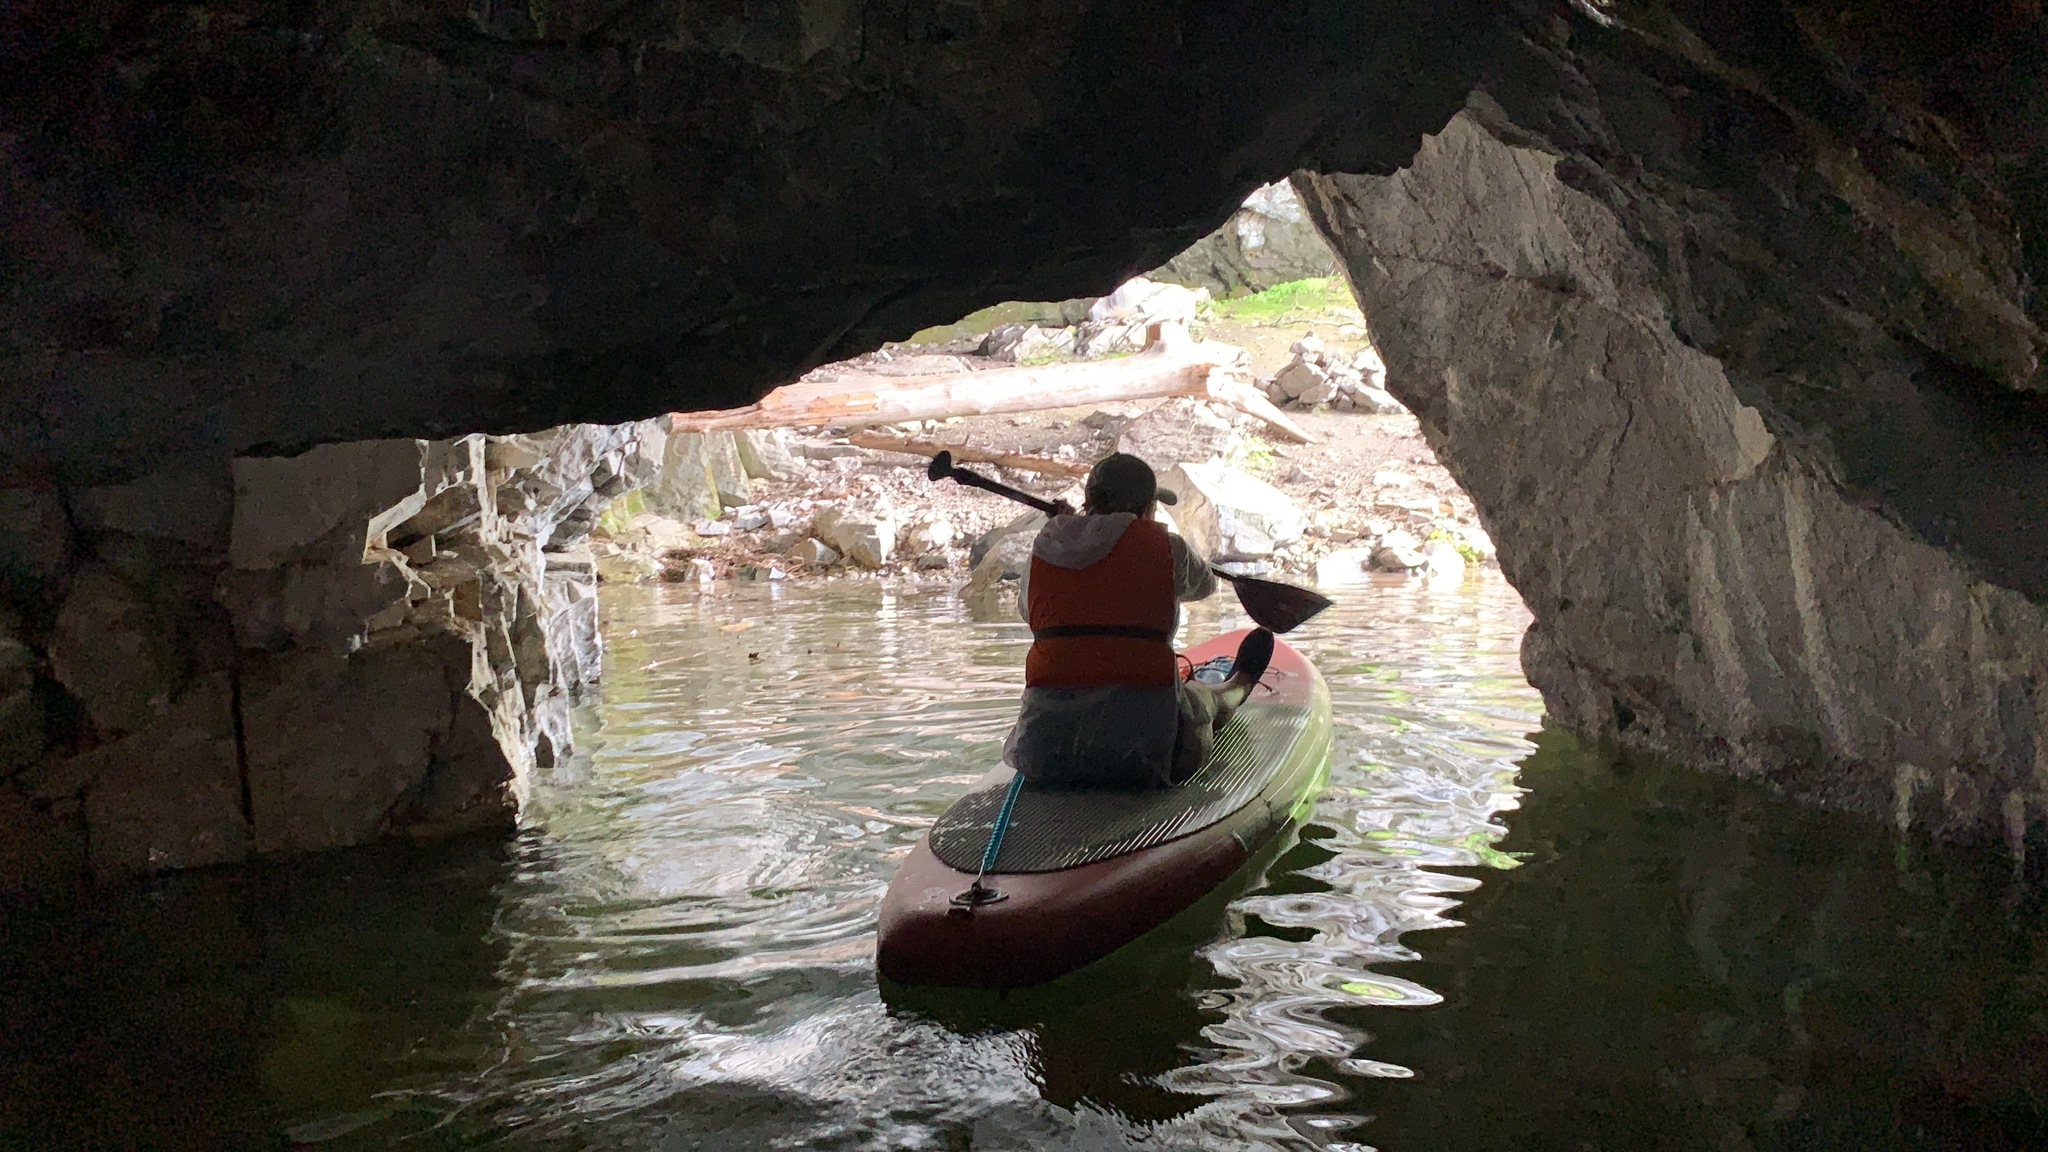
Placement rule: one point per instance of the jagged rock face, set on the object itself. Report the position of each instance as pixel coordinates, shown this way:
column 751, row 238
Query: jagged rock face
column 391, row 647
column 267, row 227
column 1707, row 578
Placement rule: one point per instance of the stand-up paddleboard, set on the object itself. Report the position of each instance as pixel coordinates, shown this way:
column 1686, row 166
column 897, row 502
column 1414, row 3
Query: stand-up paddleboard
column 1080, row 874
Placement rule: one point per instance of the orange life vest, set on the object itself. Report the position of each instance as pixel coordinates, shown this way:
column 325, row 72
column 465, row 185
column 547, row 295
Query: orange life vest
column 1109, row 623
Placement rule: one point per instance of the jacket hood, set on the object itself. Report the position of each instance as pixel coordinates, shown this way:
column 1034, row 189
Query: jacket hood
column 1078, row 541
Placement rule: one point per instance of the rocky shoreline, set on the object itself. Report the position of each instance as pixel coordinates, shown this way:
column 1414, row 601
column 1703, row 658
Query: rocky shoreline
column 808, row 504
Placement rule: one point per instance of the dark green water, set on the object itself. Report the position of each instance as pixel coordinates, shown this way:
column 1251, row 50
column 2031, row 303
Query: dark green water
column 1485, row 939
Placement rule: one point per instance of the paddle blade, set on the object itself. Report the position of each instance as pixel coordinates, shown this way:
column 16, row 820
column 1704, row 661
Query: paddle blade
column 1275, row 606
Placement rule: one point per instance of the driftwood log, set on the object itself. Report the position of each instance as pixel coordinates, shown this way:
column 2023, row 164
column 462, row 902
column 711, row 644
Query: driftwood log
column 1171, row 365
column 1022, row 462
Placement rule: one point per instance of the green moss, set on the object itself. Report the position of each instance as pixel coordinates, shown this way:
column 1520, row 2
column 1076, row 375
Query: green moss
column 619, row 513
column 1295, row 298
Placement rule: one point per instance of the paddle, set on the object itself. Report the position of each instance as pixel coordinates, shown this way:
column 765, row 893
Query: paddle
column 1271, row 604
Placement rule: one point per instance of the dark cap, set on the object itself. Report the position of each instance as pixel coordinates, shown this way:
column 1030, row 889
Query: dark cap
column 1121, row 482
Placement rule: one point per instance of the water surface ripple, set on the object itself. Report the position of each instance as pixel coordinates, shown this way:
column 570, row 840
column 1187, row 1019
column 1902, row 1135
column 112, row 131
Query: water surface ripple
column 1484, row 937
column 690, row 927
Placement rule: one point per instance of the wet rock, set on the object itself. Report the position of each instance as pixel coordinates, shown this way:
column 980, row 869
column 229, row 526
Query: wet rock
column 1227, row 514
column 758, row 572
column 927, row 534
column 334, row 743
column 1344, row 566
column 169, row 796
column 991, row 590
column 1026, row 525
column 816, row 553
column 1444, row 562
column 627, row 568
column 867, row 536
column 1399, row 551
column 112, row 650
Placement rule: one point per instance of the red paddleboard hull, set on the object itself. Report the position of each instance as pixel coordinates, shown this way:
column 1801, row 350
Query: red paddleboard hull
column 1051, row 923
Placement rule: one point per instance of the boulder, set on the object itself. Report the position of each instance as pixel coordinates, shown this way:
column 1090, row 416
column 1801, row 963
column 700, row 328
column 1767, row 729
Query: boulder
column 865, row 536
column 1344, row 566
column 764, row 454
column 1179, row 431
column 1107, row 337
column 684, row 488
column 1139, row 302
column 1227, row 514
column 1370, row 368
column 1321, row 392
column 991, row 590
column 1444, row 562
column 816, row 553
column 728, row 475
column 1378, row 401
column 1027, row 343
column 929, row 533
column 1298, row 377
column 627, row 568
column 1028, row 525
column 1475, row 538
column 1399, row 551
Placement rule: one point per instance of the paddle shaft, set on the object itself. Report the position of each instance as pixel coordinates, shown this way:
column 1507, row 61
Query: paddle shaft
column 977, row 480
column 1271, row 604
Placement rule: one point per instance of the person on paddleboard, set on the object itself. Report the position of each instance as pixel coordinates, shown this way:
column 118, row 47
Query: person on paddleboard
column 1104, row 702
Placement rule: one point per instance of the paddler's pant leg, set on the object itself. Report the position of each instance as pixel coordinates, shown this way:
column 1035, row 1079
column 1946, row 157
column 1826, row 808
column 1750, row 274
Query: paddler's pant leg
column 1197, row 729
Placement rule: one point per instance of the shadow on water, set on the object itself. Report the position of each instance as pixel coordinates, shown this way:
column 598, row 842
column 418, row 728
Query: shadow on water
column 212, row 1010
column 1476, row 942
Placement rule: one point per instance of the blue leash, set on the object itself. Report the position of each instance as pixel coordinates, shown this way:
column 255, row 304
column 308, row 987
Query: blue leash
column 978, row 893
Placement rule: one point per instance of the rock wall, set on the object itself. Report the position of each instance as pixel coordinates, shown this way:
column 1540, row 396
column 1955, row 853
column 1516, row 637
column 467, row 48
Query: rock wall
column 367, row 639
column 1704, row 582
column 1267, row 241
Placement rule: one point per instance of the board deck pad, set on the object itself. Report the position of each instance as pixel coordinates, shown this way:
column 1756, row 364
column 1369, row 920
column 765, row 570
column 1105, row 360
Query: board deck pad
column 1055, row 830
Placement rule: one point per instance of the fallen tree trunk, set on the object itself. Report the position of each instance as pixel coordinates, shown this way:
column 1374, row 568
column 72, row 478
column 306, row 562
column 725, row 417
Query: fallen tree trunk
column 1172, row 365
column 884, row 442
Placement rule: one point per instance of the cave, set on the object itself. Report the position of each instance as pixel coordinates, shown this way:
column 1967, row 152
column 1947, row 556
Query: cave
column 1727, row 316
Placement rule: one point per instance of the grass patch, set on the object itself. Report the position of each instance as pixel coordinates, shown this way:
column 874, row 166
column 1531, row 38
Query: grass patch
column 1295, row 298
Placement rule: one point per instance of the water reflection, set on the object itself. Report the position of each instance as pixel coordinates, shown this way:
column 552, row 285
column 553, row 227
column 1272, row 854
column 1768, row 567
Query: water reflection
column 676, row 950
